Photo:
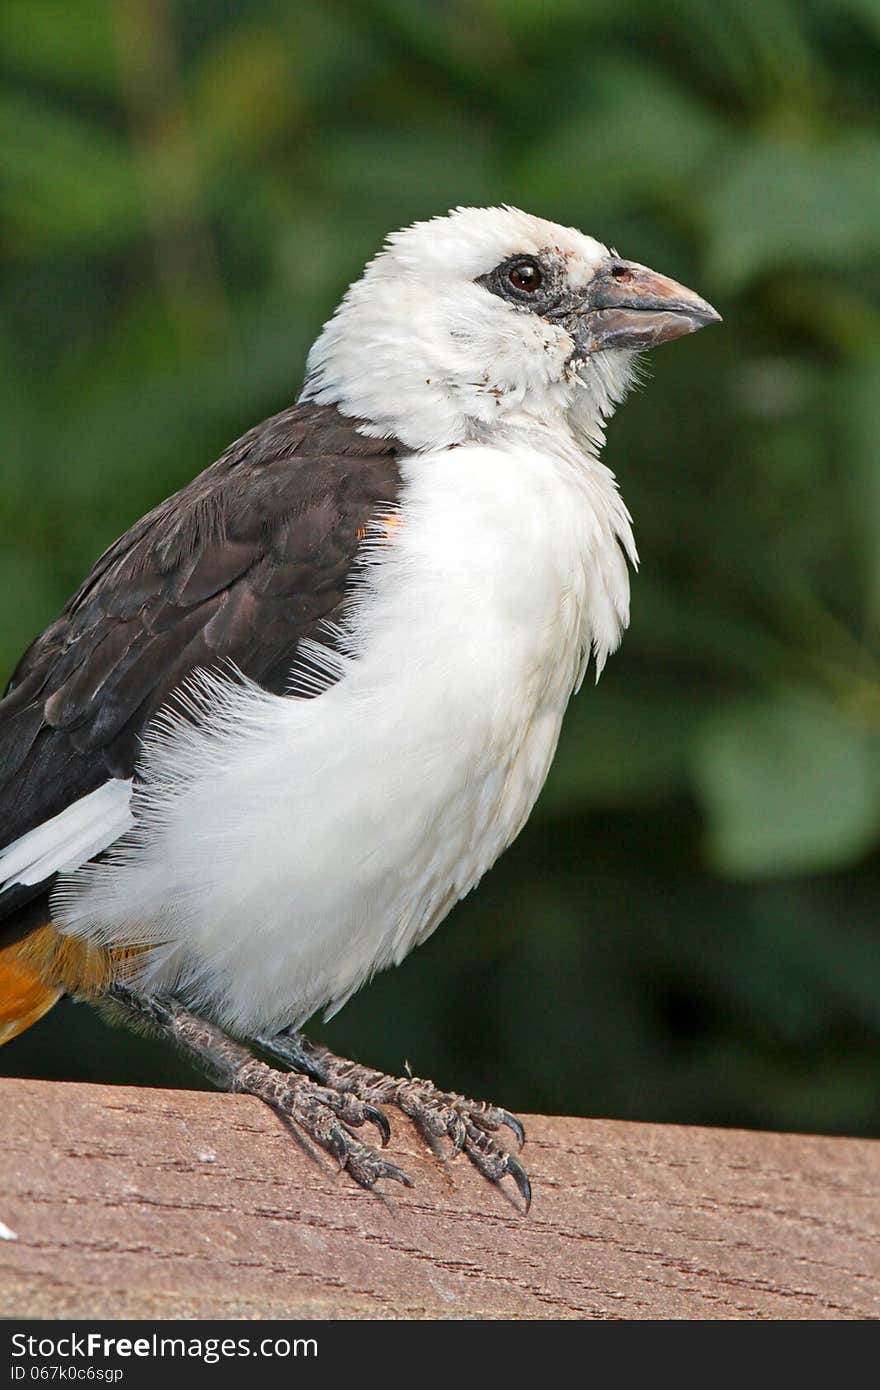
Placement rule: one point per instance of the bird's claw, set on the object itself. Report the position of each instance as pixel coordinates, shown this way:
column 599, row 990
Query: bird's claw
column 519, row 1134
column 470, row 1127
column 367, row 1168
column 494, row 1162
column 350, row 1090
column 521, row 1178
column 326, row 1116
column 380, row 1120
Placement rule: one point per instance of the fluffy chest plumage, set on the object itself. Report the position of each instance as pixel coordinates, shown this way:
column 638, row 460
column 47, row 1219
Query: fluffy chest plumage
column 289, row 848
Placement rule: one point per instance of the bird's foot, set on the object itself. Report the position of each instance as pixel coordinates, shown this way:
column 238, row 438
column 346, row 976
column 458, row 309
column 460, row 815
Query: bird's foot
column 469, row 1125
column 327, row 1097
column 326, row 1114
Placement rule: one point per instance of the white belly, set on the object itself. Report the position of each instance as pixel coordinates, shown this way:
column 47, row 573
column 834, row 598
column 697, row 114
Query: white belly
column 300, row 845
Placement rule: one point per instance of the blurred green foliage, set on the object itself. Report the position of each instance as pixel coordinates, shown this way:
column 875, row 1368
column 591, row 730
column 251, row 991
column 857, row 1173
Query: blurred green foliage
column 687, row 929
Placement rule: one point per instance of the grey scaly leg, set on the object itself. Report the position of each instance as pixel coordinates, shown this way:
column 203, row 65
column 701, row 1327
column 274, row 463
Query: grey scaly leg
column 325, row 1113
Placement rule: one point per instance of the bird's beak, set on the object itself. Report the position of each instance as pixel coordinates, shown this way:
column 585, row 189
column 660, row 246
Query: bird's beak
column 629, row 306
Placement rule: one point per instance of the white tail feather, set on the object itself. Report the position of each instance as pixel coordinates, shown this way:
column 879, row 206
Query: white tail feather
column 69, row 839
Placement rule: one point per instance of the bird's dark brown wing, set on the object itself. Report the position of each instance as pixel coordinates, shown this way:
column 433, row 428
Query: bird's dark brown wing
column 244, row 563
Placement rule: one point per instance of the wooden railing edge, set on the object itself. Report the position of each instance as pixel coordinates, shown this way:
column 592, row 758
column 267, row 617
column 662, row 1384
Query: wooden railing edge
column 122, row 1202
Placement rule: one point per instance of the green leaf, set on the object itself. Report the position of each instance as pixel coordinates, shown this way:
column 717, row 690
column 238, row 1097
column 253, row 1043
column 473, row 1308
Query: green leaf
column 789, row 784
column 635, row 135
column 781, row 205
column 245, row 95
column 860, row 429
column 54, row 39
column 419, row 168
column 866, row 10
column 620, row 747
column 69, row 183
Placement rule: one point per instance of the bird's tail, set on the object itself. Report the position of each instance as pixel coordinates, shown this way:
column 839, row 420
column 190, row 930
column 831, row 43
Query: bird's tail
column 27, row 987
column 41, row 964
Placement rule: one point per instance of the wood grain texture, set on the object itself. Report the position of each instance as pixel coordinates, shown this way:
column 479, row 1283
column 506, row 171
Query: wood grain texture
column 143, row 1203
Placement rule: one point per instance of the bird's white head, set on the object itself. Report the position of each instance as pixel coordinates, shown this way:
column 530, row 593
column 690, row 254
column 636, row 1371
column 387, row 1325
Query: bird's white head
column 490, row 317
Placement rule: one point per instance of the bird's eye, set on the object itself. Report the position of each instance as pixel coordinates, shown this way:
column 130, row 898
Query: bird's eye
column 525, row 275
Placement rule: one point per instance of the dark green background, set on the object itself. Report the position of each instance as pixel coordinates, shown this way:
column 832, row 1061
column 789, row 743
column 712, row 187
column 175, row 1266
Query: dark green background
column 687, row 929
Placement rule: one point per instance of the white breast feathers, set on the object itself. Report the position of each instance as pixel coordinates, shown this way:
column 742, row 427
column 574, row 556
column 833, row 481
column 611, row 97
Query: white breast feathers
column 286, row 848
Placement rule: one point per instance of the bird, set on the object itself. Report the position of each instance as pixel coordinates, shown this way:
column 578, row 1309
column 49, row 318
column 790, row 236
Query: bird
column 297, row 711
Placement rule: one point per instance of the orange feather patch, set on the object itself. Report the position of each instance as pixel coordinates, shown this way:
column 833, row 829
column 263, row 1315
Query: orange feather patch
column 37, row 970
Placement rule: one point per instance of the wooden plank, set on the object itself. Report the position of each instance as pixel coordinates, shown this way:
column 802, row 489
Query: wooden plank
column 142, row 1203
